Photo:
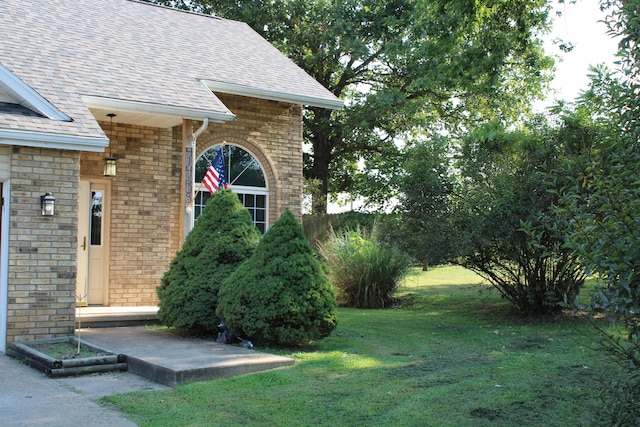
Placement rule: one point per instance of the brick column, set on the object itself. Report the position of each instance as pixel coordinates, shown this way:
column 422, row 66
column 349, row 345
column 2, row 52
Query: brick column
column 42, row 250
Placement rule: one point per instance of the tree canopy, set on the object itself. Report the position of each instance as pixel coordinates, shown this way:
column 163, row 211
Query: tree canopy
column 399, row 65
column 488, row 207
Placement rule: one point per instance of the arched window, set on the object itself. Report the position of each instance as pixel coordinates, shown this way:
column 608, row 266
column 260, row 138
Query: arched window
column 244, row 176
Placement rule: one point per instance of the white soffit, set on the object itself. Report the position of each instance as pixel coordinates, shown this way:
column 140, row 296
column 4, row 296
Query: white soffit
column 23, row 94
column 148, row 114
column 6, row 98
column 235, row 89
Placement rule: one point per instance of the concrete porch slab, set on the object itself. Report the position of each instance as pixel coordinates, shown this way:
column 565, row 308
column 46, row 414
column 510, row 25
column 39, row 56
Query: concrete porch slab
column 171, row 360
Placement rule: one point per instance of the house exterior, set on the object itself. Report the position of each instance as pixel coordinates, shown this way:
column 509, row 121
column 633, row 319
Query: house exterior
column 158, row 90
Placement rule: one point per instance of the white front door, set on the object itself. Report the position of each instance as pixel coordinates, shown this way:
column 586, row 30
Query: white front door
column 93, row 243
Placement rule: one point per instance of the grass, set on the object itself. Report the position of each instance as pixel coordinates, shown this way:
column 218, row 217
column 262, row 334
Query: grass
column 451, row 354
column 63, row 349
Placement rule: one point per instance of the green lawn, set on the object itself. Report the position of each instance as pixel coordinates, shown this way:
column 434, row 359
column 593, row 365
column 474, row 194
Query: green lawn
column 452, row 354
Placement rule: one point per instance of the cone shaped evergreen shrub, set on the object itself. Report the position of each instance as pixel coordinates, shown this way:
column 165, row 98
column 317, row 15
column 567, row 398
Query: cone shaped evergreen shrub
column 281, row 295
column 223, row 237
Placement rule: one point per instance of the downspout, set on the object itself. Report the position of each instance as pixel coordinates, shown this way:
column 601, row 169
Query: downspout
column 194, row 140
column 205, row 125
column 189, row 208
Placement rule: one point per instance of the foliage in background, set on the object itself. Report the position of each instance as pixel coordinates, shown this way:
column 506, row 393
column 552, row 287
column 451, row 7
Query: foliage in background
column 281, row 294
column 398, row 64
column 354, row 219
column 317, row 227
column 364, row 273
column 603, row 202
column 488, row 209
column 222, row 237
column 423, row 225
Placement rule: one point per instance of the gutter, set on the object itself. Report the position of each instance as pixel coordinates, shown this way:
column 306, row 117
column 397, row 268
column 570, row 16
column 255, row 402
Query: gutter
column 329, row 101
column 53, row 141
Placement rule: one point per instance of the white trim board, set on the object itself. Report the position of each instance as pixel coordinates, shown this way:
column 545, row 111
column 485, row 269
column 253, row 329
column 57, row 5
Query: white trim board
column 53, row 141
column 4, row 265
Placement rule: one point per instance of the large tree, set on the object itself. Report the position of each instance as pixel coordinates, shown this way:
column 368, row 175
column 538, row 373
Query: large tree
column 399, row 65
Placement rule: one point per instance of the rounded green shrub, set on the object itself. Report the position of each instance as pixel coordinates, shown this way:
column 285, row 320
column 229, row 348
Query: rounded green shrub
column 281, row 295
column 222, row 238
column 364, row 273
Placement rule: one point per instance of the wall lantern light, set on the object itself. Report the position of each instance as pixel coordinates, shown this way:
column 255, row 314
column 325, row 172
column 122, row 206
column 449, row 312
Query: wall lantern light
column 47, row 204
column 110, row 162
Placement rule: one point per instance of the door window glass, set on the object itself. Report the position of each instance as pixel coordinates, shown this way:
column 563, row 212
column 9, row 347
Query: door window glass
column 95, row 218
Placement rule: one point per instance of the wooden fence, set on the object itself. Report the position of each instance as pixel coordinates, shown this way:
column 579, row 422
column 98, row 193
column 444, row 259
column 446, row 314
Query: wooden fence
column 316, row 227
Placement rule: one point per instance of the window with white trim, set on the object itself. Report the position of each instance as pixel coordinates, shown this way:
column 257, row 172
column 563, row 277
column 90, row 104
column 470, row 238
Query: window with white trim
column 245, row 177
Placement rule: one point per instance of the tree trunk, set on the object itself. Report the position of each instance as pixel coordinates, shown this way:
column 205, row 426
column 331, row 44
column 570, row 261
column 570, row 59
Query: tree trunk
column 322, row 155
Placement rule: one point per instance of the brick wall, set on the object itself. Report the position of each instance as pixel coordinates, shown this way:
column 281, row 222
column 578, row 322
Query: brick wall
column 144, row 209
column 145, row 196
column 42, row 250
column 271, row 131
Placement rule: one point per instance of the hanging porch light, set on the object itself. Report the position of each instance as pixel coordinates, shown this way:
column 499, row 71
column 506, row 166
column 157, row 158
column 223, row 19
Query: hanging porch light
column 110, row 168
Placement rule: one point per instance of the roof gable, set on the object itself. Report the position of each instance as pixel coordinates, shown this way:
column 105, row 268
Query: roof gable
column 18, row 91
column 87, row 58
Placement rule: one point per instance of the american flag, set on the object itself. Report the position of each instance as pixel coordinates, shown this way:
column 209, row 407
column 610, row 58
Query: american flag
column 215, row 176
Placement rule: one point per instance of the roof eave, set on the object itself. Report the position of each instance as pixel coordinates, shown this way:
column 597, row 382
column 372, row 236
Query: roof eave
column 331, row 103
column 156, row 109
column 52, row 141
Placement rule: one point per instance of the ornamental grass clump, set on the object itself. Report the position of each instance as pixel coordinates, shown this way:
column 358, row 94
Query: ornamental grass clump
column 281, row 295
column 364, row 273
column 223, row 237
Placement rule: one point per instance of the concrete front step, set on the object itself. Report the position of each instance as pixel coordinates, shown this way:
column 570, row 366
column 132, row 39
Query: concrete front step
column 107, row 317
column 170, row 359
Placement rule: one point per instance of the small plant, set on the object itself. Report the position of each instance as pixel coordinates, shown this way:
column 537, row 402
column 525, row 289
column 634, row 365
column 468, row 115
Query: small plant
column 364, row 273
column 281, row 295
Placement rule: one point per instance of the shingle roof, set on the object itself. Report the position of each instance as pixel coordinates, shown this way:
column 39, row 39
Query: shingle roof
column 69, row 51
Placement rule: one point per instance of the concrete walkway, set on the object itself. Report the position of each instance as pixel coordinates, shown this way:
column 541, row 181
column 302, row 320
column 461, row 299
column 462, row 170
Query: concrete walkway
column 156, row 361
column 29, row 398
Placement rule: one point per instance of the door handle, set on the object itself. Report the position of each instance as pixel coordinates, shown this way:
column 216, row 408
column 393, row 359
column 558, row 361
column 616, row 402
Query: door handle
column 84, row 243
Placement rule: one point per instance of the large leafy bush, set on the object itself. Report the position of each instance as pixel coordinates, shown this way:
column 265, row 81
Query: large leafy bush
column 364, row 272
column 512, row 235
column 222, row 238
column 281, row 295
column 488, row 208
column 603, row 203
